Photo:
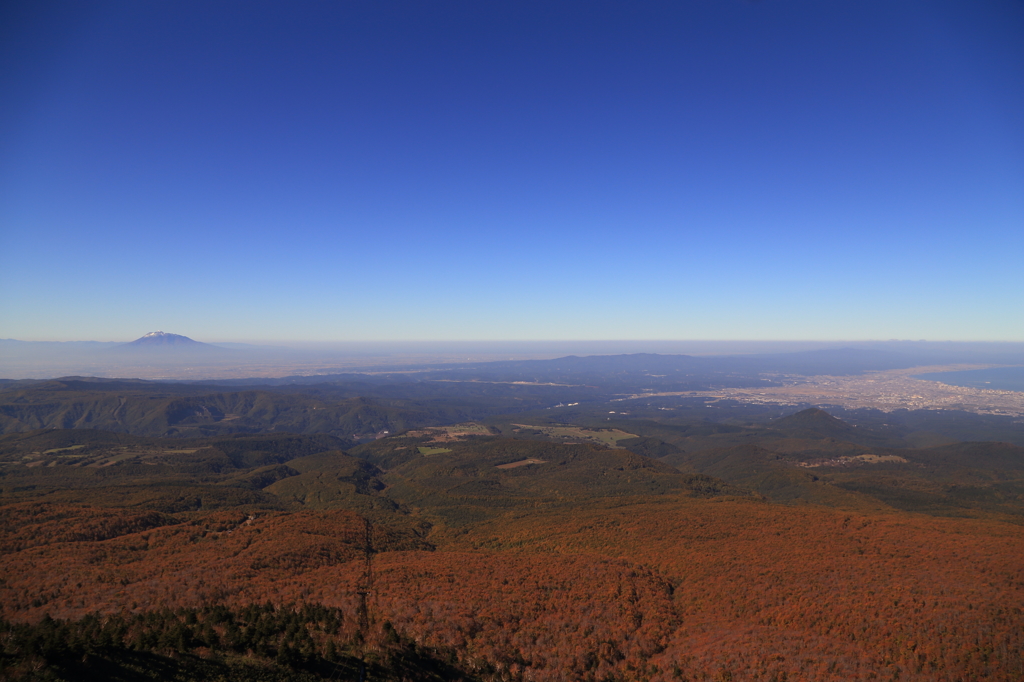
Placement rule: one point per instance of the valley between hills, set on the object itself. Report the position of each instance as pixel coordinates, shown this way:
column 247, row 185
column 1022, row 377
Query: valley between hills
column 506, row 526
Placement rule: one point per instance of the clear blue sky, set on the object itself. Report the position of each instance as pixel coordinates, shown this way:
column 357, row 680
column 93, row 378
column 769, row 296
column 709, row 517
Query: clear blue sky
column 356, row 170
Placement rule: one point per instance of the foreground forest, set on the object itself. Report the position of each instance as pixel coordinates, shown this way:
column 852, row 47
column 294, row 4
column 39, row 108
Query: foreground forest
column 522, row 547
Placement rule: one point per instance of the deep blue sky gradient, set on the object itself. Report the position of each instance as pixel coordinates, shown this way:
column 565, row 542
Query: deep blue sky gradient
column 512, row 170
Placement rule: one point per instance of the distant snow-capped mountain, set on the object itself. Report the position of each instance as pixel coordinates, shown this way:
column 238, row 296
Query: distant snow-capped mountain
column 164, row 339
column 165, row 342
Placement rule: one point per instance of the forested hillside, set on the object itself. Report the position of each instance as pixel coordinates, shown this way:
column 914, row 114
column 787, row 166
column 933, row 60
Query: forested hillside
column 147, row 409
column 505, row 552
column 357, row 408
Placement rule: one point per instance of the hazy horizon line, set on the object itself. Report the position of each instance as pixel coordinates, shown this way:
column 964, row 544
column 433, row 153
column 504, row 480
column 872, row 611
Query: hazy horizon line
column 280, row 342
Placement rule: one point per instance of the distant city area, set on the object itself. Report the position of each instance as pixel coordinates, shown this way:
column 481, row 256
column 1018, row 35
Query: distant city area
column 885, row 390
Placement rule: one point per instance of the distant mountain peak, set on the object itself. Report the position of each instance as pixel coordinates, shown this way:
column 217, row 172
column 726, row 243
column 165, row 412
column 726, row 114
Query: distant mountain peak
column 159, row 338
column 165, row 345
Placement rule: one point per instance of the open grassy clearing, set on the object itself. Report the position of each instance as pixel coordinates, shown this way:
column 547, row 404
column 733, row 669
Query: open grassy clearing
column 521, row 463
column 880, row 458
column 609, row 437
column 432, row 451
column 442, row 434
column 70, row 447
column 86, row 456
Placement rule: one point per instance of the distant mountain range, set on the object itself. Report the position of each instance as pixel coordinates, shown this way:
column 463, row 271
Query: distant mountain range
column 166, row 355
